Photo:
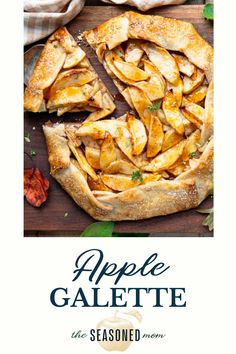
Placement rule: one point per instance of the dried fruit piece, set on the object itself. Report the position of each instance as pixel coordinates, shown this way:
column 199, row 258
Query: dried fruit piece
column 35, row 186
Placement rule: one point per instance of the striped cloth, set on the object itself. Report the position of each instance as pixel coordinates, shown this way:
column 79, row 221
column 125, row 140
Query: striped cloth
column 43, row 17
column 145, row 5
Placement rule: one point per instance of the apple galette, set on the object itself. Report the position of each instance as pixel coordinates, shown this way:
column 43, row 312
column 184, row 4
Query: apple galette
column 157, row 159
column 63, row 80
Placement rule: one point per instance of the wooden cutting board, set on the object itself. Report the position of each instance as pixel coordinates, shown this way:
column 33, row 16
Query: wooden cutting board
column 50, row 219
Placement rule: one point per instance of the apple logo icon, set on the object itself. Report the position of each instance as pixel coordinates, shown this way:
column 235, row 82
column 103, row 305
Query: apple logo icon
column 113, row 329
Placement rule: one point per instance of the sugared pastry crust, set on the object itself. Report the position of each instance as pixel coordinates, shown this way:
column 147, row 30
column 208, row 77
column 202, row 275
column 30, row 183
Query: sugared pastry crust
column 158, row 160
column 63, row 80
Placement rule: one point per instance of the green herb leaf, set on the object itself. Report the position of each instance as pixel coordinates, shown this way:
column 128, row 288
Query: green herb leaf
column 155, row 106
column 55, row 46
column 33, row 152
column 119, row 53
column 127, row 144
column 192, row 155
column 209, row 221
column 99, row 229
column 137, row 175
column 208, row 11
column 27, row 138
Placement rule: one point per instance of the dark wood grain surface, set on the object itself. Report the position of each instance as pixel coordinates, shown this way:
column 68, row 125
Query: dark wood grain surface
column 50, row 218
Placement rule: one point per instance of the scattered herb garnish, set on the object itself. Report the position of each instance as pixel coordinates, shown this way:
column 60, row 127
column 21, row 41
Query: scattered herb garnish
column 137, row 175
column 208, row 11
column 184, row 162
column 127, row 143
column 155, row 106
column 119, row 53
column 55, row 46
column 33, row 152
column 192, row 155
column 209, row 221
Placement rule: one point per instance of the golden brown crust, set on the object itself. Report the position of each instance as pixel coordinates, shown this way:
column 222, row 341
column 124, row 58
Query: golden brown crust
column 58, row 150
column 144, row 201
column 168, row 33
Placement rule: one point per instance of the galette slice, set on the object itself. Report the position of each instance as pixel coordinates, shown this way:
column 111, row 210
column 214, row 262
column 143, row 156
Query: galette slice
column 161, row 66
column 63, row 80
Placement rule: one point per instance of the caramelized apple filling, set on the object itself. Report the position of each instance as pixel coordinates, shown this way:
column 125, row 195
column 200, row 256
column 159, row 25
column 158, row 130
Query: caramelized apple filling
column 160, row 139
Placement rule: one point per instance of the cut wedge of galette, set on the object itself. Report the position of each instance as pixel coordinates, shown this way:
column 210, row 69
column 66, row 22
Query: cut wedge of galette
column 157, row 159
column 63, row 80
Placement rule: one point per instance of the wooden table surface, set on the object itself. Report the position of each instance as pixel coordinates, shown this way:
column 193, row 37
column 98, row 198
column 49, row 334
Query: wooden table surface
column 50, row 220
